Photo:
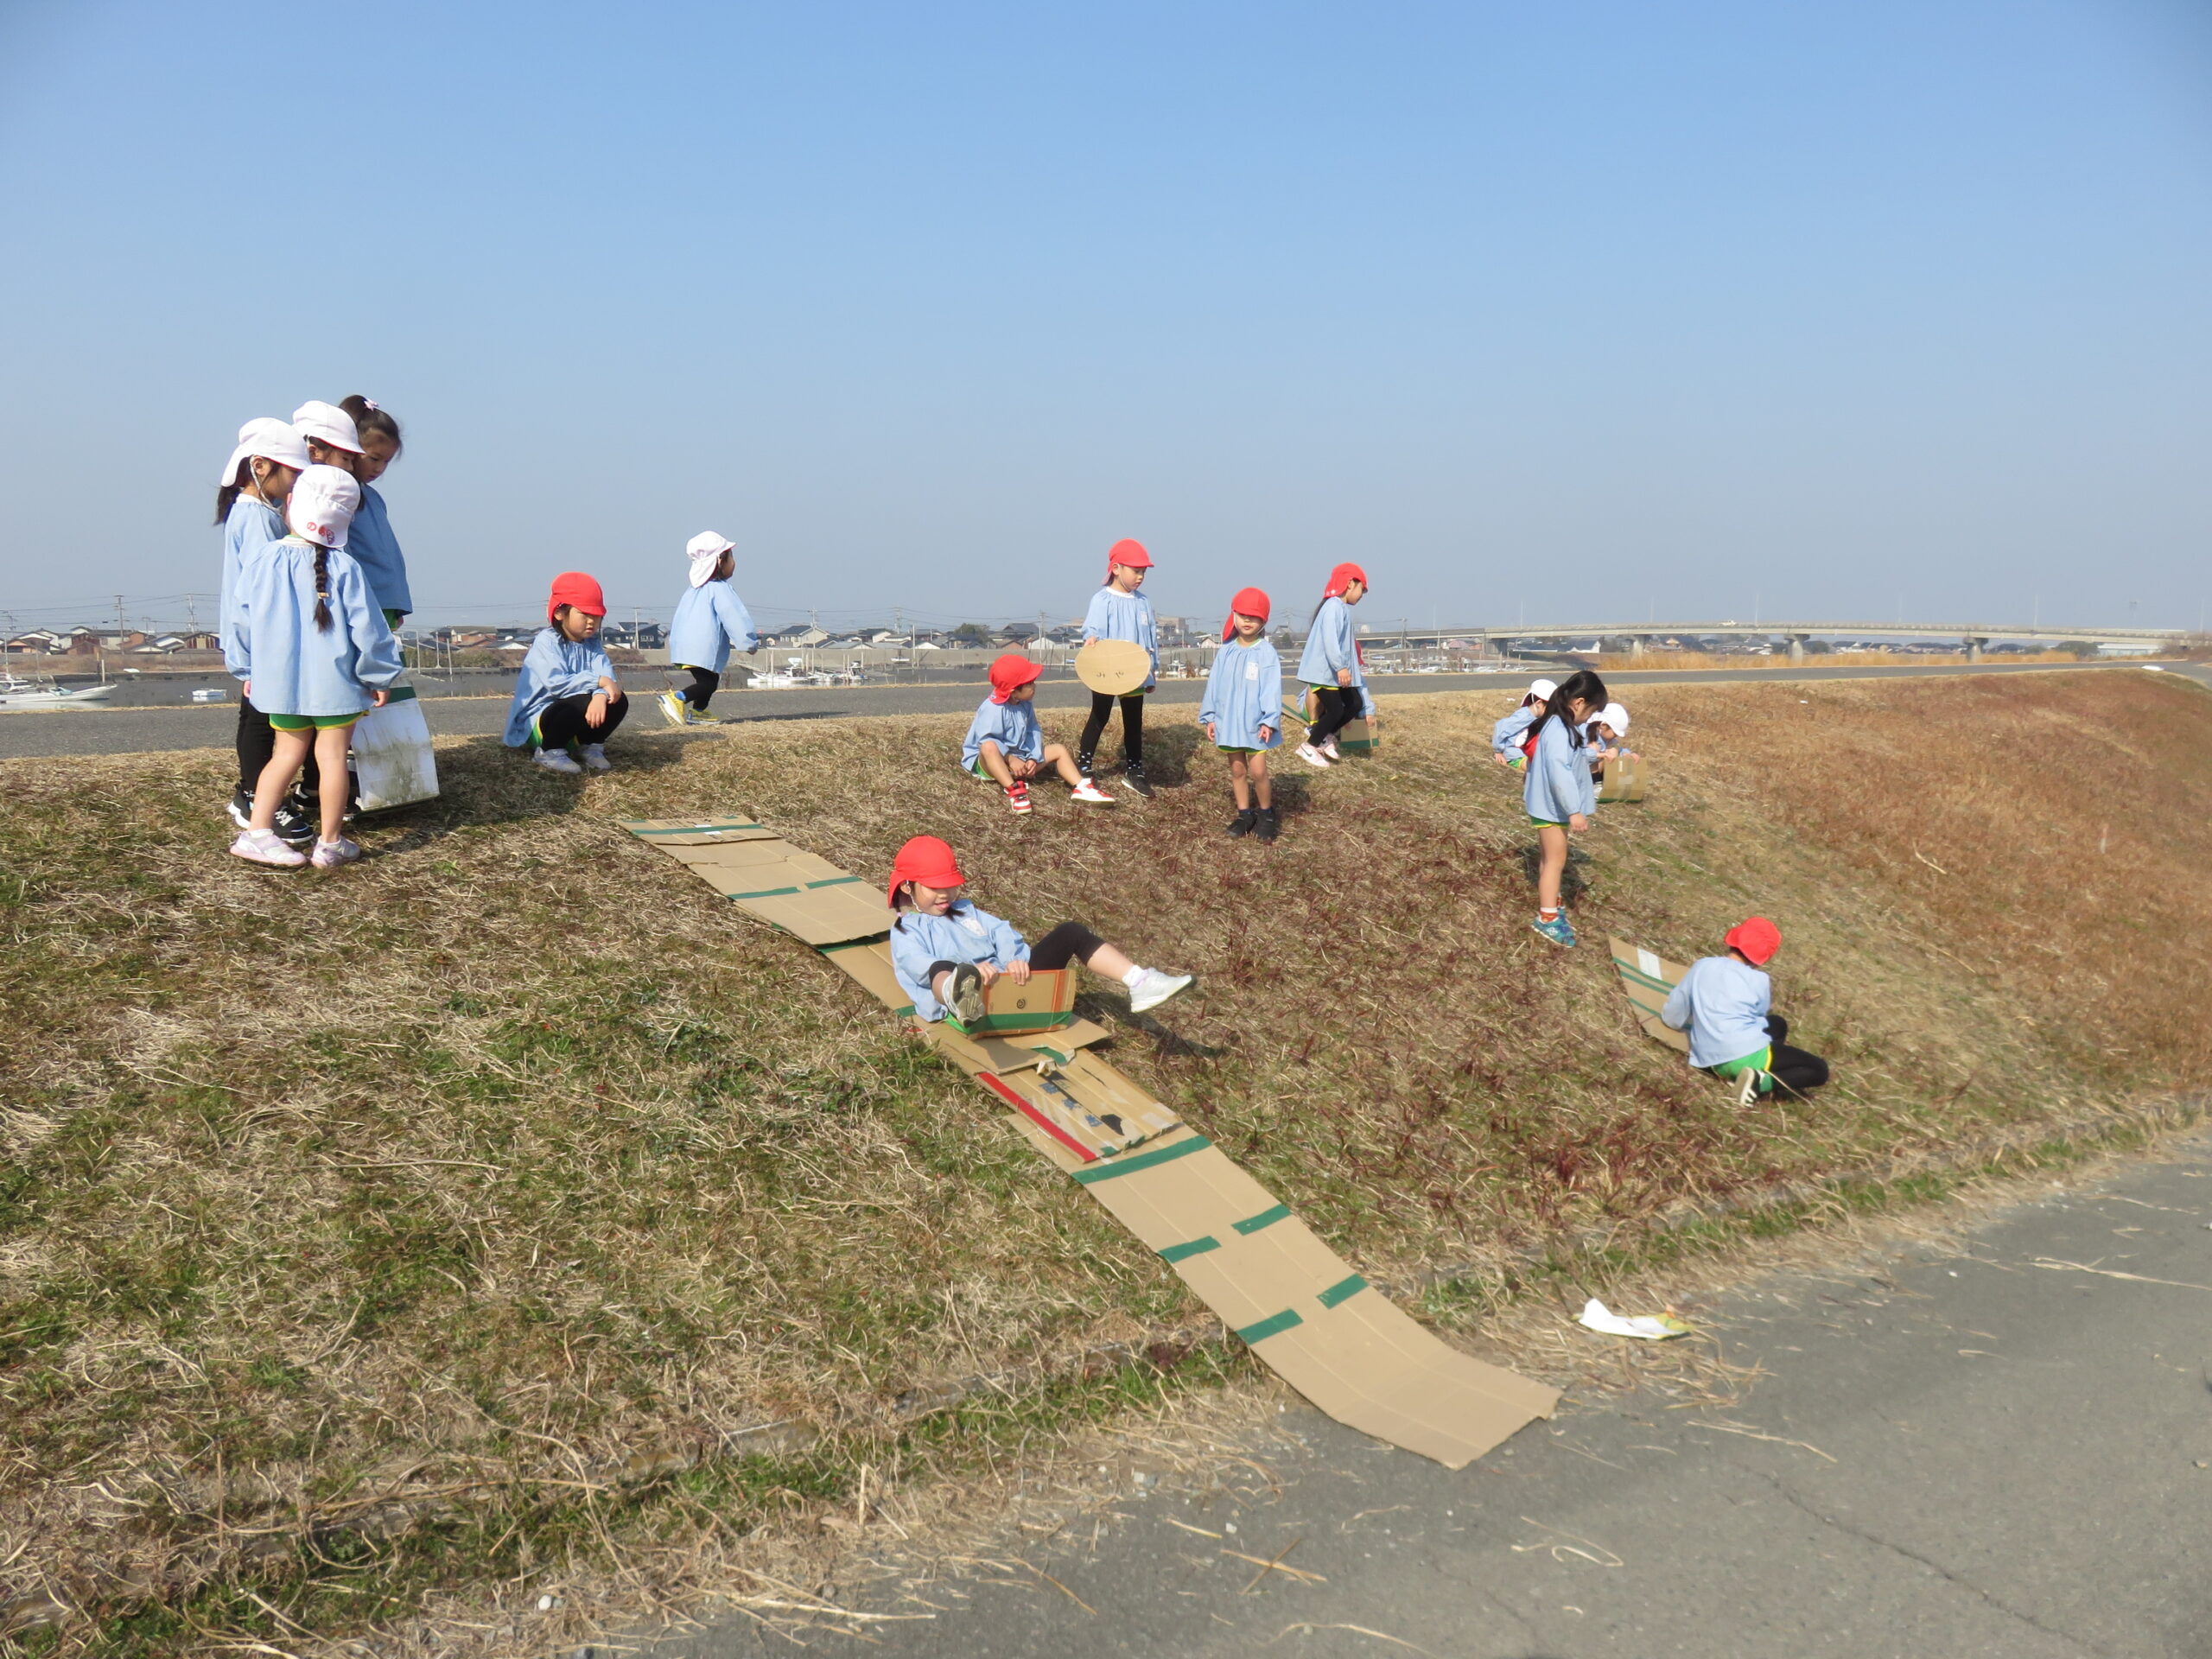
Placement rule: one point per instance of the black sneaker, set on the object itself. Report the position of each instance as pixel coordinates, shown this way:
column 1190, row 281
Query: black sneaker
column 1267, row 828
column 1241, row 825
column 1133, row 775
column 242, row 807
column 296, row 826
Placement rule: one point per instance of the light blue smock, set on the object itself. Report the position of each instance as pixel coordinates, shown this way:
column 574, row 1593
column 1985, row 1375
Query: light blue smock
column 249, row 526
column 1330, row 646
column 964, row 934
column 296, row 668
column 1722, row 1004
column 556, row 667
column 1013, row 726
column 1117, row 615
column 710, row 621
column 1244, row 693
column 1505, row 736
column 376, row 550
column 1559, row 783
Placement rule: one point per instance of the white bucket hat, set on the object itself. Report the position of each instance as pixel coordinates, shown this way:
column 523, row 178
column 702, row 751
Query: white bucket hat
column 1540, row 689
column 1617, row 717
column 271, row 440
column 705, row 552
column 323, row 503
column 327, row 423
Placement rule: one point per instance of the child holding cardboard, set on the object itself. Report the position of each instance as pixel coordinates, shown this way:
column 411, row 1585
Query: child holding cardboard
column 1242, row 712
column 1118, row 611
column 1724, row 1003
column 1559, row 794
column 1602, row 738
column 1006, row 744
column 945, row 950
column 1508, row 737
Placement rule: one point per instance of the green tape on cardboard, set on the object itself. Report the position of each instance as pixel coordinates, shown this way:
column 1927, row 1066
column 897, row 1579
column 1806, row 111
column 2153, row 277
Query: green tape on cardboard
column 1344, row 1292
column 1629, row 970
column 833, row 881
column 1257, row 1333
column 1194, row 1247
column 1128, row 1166
column 1265, row 1218
column 766, row 893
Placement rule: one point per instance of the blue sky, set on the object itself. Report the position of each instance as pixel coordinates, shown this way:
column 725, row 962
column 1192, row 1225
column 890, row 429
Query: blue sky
column 1570, row 312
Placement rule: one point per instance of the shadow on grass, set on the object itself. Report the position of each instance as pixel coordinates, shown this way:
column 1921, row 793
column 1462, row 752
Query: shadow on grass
column 483, row 782
column 1572, row 883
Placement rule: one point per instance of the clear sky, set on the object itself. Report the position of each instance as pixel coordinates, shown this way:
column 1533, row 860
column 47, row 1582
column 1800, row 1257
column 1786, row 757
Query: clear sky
column 1566, row 311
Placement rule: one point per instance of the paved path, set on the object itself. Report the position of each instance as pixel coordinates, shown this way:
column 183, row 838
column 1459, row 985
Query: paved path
column 128, row 730
column 1973, row 1455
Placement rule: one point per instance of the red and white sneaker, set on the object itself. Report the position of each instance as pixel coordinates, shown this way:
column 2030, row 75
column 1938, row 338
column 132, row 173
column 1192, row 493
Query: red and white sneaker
column 1087, row 790
column 1017, row 797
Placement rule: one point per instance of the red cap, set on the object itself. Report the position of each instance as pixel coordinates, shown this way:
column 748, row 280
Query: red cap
column 1756, row 937
column 926, row 860
column 1129, row 553
column 574, row 587
column 1342, row 577
column 1008, row 675
column 1249, row 601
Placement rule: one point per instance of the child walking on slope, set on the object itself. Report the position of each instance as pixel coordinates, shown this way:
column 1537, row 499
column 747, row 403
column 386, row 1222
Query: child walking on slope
column 944, row 951
column 1118, row 611
column 710, row 622
column 1559, row 793
column 567, row 704
column 1725, row 1004
column 1329, row 663
column 249, row 507
column 1242, row 712
column 1508, row 736
column 316, row 655
column 1005, row 742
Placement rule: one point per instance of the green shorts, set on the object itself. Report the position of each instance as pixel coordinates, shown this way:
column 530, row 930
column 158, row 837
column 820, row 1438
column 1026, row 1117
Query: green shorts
column 1762, row 1061
column 976, row 770
column 311, row 722
column 1233, row 749
column 391, row 619
column 1547, row 824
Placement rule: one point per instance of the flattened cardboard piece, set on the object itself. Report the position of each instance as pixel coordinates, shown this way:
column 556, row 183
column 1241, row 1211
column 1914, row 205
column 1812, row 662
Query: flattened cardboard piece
column 827, row 913
column 1005, row 1054
column 1054, row 1111
column 1621, row 778
column 1046, row 1000
column 1113, row 667
column 869, row 962
column 687, row 832
column 1647, row 977
column 1297, row 712
column 1106, row 1089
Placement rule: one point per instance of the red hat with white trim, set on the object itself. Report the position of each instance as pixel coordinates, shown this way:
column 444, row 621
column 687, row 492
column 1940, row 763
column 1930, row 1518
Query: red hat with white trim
column 927, row 860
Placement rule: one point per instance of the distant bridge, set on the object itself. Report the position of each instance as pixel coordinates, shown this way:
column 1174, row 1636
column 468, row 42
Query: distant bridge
column 1975, row 637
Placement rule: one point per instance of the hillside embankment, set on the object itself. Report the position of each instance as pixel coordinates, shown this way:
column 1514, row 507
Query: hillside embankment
column 509, row 1202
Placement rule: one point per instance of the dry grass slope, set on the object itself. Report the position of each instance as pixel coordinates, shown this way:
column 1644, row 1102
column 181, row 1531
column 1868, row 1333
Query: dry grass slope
column 369, row 1237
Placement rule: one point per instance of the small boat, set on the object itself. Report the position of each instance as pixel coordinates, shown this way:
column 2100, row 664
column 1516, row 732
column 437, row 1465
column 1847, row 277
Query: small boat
column 43, row 691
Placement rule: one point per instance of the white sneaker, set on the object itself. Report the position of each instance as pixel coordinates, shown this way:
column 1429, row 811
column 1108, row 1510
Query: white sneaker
column 1087, row 790
column 673, row 709
column 329, row 855
column 1312, row 757
column 559, row 760
column 263, row 847
column 596, row 758
column 1329, row 748
column 1154, row 989
column 1749, row 1090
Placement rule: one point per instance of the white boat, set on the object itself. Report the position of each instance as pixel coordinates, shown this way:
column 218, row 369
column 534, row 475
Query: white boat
column 42, row 691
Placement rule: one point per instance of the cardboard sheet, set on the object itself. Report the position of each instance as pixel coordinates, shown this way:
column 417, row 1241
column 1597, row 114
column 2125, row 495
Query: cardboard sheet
column 1647, row 977
column 1046, row 999
column 1115, row 667
column 1285, row 1294
column 1622, row 779
column 1356, row 737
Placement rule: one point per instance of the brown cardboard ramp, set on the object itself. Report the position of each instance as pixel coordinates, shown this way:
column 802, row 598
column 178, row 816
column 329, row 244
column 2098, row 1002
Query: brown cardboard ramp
column 688, row 832
column 1647, row 977
column 1059, row 1046
column 830, row 910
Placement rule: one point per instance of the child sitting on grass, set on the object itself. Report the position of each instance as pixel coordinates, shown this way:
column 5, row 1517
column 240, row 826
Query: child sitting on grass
column 1241, row 711
column 1723, row 1002
column 945, row 951
column 1508, row 735
column 567, row 704
column 1602, row 737
column 1559, row 794
column 1006, row 744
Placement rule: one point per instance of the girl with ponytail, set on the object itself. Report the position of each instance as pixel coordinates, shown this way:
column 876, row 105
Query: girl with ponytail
column 249, row 507
column 1330, row 665
column 1559, row 794
column 315, row 655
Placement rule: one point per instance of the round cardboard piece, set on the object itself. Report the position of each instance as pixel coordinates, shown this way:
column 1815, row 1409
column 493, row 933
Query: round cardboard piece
column 1113, row 668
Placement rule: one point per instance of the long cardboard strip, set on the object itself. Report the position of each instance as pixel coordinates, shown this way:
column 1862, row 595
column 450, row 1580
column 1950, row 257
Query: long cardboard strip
column 1647, row 977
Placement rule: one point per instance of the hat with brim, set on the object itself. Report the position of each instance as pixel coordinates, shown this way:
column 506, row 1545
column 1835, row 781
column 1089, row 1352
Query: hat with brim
column 927, row 860
column 323, row 504
column 1755, row 938
column 321, row 422
column 705, row 552
column 270, row 439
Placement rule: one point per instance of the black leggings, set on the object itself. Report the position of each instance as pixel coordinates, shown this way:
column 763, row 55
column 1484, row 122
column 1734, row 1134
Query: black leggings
column 256, row 744
column 1340, row 706
column 1132, row 725
column 700, row 691
column 560, row 722
column 1793, row 1068
column 1068, row 941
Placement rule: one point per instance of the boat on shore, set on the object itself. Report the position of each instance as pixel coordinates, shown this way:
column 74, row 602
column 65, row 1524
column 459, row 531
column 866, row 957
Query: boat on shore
column 44, row 691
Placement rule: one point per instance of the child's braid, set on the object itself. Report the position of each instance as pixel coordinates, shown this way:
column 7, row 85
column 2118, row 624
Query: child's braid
column 322, row 589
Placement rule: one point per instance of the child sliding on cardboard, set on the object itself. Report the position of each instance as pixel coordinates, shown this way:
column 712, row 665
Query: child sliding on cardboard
column 945, row 951
column 1724, row 1003
column 1241, row 711
column 1005, row 745
column 1559, row 794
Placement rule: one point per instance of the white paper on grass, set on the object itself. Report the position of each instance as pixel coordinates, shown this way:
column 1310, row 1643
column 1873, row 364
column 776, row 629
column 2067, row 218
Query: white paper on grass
column 1650, row 1327
column 392, row 756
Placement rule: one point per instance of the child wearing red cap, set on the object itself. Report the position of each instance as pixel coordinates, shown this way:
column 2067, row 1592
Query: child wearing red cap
column 1725, row 1004
column 945, row 950
column 1241, row 711
column 567, row 704
column 1330, row 665
column 1005, row 742
column 1118, row 611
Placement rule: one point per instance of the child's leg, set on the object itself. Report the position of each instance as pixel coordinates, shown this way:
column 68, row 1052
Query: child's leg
column 1256, row 763
column 1335, row 711
column 288, row 752
column 1551, row 838
column 1796, row 1071
column 1240, row 785
column 332, row 744
column 1095, row 727
column 700, row 691
column 255, row 743
column 1133, row 730
column 1058, row 758
column 995, row 763
column 1073, row 942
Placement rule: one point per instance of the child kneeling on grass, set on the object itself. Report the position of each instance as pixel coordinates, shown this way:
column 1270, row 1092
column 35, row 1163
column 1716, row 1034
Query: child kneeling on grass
column 1006, row 744
column 1559, row 793
column 1724, row 1003
column 1241, row 711
column 315, row 655
column 565, row 697
column 945, row 951
column 1602, row 738
column 1508, row 737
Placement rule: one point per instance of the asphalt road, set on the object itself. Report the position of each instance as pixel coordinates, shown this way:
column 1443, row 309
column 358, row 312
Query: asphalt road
column 128, row 730
column 1970, row 1453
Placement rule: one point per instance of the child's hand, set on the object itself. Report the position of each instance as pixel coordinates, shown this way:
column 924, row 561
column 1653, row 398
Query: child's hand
column 1267, row 734
column 1344, row 676
column 1018, row 971
column 379, row 697
column 988, row 972
column 1210, row 738
column 595, row 710
column 1577, row 823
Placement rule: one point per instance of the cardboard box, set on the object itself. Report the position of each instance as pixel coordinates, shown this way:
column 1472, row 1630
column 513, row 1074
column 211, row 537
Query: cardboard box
column 1647, row 977
column 1045, row 1001
column 1622, row 779
column 1358, row 737
column 1115, row 667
